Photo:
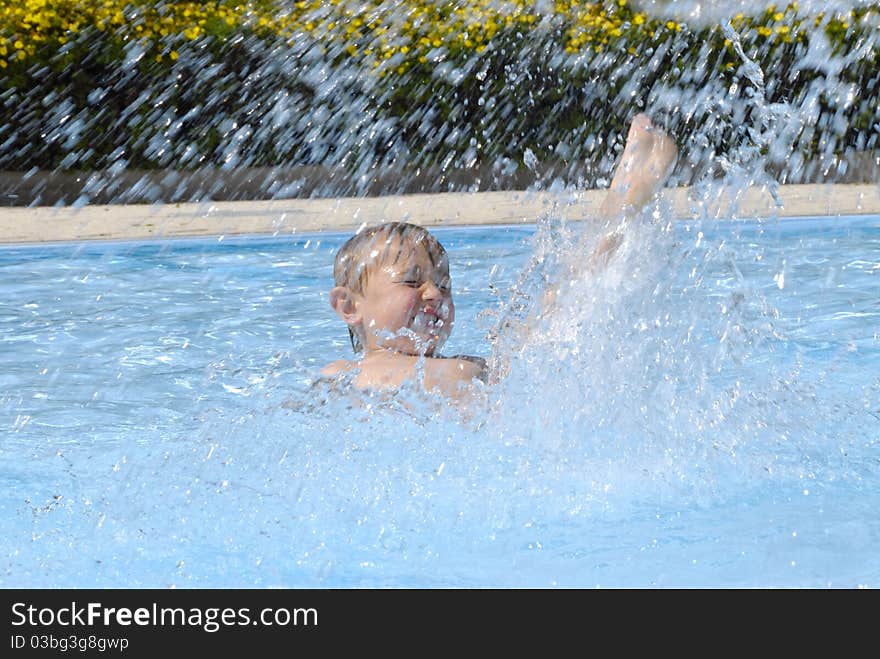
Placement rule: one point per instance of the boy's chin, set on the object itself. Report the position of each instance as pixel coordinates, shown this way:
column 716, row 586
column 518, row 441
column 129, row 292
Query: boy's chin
column 415, row 344
column 427, row 346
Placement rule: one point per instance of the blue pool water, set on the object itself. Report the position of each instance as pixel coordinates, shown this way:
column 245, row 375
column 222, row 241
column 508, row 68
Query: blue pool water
column 704, row 412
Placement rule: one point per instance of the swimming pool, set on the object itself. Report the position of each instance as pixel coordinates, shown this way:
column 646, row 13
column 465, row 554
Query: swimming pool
column 706, row 412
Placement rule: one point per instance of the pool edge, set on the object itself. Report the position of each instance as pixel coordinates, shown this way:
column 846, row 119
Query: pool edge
column 290, row 216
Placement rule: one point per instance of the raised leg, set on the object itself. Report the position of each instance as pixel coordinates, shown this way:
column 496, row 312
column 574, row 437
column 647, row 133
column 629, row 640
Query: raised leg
column 646, row 164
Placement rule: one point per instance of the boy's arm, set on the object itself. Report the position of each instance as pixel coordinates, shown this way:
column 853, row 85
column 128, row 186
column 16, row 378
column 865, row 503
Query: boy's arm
column 474, row 368
column 334, row 368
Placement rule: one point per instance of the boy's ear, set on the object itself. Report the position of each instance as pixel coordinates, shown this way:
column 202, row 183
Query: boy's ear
column 343, row 302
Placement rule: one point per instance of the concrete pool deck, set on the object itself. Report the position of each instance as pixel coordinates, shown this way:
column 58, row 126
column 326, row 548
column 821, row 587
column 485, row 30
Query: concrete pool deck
column 293, row 216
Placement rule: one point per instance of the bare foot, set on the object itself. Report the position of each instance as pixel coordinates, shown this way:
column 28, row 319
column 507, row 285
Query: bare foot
column 646, row 164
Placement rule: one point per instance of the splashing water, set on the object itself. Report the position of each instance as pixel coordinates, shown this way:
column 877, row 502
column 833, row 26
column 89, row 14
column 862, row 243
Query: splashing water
column 703, row 411
column 683, row 418
column 352, row 98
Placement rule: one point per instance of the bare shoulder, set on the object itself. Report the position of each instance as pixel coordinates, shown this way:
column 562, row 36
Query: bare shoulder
column 337, row 367
column 467, row 367
column 454, row 376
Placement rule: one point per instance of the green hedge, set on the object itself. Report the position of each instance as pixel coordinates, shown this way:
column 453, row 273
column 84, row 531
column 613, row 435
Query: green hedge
column 493, row 95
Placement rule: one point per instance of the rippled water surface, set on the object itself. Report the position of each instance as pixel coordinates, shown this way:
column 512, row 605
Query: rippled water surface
column 703, row 412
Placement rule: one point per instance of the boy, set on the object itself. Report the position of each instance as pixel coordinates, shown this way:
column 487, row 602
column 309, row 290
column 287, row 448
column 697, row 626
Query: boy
column 394, row 293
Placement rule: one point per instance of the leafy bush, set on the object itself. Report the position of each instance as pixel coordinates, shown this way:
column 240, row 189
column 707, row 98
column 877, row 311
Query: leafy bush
column 440, row 95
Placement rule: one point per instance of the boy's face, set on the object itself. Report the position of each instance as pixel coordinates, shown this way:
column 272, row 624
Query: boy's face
column 407, row 305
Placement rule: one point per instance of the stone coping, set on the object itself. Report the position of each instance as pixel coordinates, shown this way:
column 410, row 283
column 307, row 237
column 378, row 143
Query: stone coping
column 140, row 222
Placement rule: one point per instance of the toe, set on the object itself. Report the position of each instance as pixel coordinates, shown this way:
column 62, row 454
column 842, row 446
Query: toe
column 640, row 123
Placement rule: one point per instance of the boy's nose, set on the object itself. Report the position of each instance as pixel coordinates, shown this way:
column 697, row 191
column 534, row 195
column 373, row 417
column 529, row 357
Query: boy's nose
column 430, row 291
